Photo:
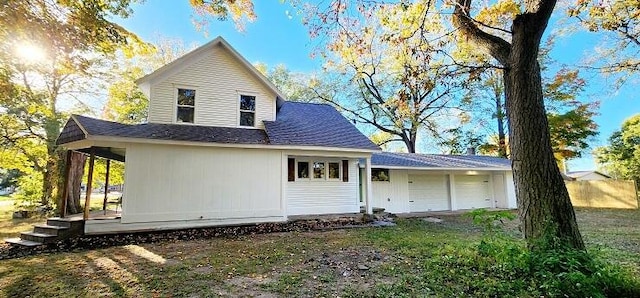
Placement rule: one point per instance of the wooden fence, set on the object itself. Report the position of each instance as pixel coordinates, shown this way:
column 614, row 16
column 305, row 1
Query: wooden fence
column 603, row 193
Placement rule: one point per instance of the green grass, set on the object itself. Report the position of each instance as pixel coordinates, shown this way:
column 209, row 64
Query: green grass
column 413, row 259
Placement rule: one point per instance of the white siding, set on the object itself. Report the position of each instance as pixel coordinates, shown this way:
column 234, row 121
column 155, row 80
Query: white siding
column 219, row 79
column 511, row 190
column 181, row 183
column 392, row 195
column 306, row 197
column 500, row 191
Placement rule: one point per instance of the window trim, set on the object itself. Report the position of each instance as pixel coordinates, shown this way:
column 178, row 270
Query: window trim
column 255, row 108
column 176, row 105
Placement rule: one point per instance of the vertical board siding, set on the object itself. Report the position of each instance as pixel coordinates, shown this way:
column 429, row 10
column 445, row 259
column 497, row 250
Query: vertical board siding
column 166, row 183
column 392, row 195
column 324, row 197
column 219, row 80
column 603, row 193
column 511, row 190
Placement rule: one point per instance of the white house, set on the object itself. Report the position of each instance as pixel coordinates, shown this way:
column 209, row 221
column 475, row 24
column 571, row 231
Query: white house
column 222, row 146
column 405, row 182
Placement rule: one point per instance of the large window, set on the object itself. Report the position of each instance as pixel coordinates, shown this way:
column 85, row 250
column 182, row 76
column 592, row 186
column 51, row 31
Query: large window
column 318, row 170
column 186, row 105
column 247, row 110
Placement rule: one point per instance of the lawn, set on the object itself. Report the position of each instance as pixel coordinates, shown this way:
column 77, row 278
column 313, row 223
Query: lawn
column 414, row 258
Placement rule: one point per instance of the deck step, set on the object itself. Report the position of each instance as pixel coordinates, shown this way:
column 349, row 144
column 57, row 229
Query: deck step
column 51, row 230
column 38, row 237
column 22, row 242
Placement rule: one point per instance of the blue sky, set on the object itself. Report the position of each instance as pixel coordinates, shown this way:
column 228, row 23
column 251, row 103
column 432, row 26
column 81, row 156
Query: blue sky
column 279, row 37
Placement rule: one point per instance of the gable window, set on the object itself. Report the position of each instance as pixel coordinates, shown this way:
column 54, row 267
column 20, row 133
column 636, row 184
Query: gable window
column 186, row 105
column 247, row 110
column 379, row 174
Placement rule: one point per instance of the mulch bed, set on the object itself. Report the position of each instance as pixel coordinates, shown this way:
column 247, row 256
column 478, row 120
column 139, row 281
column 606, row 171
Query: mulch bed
column 87, row 242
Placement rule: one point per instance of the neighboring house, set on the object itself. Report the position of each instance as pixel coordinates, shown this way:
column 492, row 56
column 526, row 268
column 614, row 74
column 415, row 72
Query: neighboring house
column 222, row 147
column 404, row 182
column 587, row 175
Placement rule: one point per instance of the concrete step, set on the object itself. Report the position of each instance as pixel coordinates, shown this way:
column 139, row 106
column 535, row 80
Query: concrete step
column 76, row 226
column 22, row 242
column 38, row 237
column 51, row 230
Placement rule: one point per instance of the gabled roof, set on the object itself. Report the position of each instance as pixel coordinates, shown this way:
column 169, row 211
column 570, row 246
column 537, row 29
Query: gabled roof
column 297, row 124
column 192, row 57
column 437, row 161
column 580, row 174
column 310, row 124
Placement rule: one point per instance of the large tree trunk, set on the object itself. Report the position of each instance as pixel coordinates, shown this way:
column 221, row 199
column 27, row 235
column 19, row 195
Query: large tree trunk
column 543, row 201
column 76, row 172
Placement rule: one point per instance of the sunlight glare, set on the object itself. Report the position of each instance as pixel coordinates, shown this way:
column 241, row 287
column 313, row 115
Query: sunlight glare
column 30, row 53
column 145, row 254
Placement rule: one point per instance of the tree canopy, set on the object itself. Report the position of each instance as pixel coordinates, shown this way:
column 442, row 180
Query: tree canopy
column 621, row 158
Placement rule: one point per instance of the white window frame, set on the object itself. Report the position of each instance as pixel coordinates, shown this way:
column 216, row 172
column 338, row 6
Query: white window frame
column 326, row 162
column 255, row 106
column 176, row 105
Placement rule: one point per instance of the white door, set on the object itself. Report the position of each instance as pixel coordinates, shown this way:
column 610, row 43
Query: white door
column 428, row 193
column 499, row 191
column 473, row 192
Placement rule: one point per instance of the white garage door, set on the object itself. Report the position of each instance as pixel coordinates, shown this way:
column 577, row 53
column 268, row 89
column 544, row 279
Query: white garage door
column 428, row 193
column 472, row 192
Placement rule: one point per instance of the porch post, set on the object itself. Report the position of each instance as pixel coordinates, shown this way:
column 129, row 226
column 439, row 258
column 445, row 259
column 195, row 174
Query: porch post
column 87, row 198
column 369, row 192
column 106, row 188
column 65, row 190
column 452, row 191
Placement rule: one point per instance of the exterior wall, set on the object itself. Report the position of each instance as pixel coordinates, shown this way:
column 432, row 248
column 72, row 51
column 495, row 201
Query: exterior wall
column 306, row 197
column 511, row 191
column 392, row 195
column 182, row 183
column 219, row 79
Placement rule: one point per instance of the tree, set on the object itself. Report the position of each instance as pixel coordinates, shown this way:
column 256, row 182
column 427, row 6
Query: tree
column 396, row 76
column 621, row 158
column 295, row 86
column 543, row 201
column 619, row 17
column 51, row 51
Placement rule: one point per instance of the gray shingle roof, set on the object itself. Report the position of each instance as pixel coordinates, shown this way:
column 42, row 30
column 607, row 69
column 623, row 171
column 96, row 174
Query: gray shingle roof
column 173, row 132
column 309, row 124
column 298, row 124
column 414, row 160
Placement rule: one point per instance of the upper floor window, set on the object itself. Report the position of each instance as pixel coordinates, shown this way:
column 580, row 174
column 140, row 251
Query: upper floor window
column 247, row 110
column 186, row 105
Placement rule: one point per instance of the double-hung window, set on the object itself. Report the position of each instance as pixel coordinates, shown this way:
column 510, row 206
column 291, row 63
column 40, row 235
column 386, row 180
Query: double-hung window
column 186, row 105
column 247, row 110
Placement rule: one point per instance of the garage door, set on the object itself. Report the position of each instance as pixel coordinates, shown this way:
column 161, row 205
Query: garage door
column 472, row 192
column 428, row 193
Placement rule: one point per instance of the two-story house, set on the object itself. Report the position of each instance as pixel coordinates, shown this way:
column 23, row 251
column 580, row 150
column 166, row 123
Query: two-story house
column 222, row 147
